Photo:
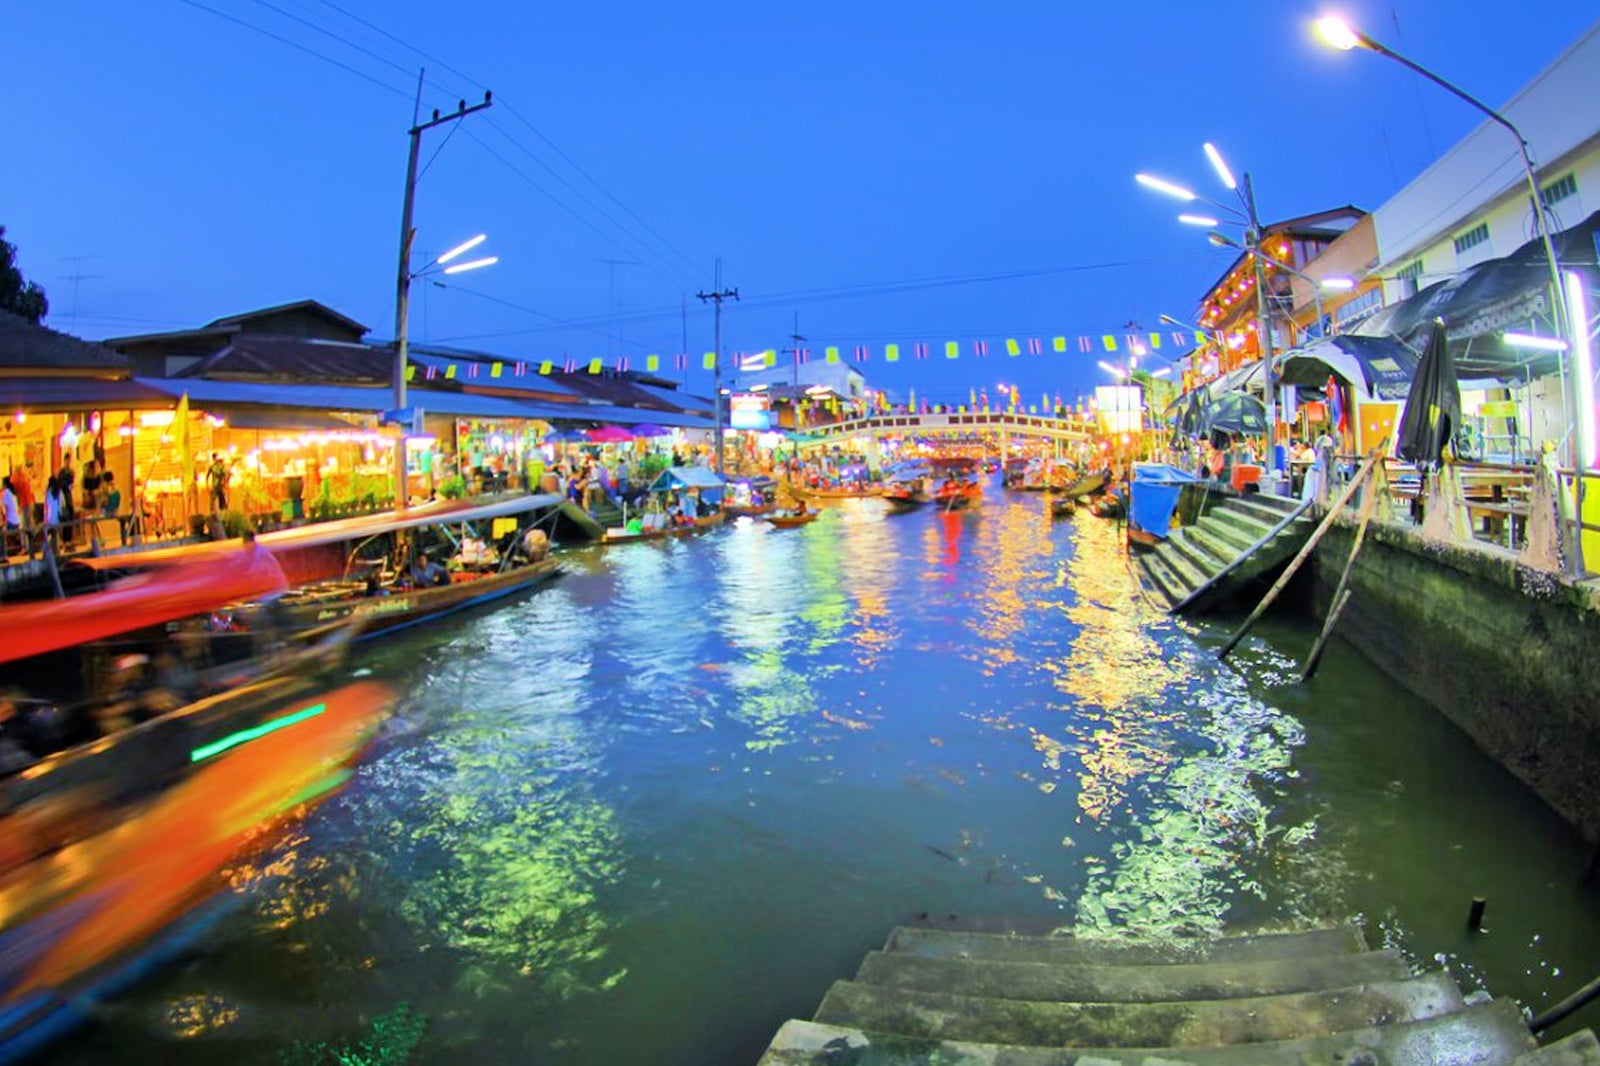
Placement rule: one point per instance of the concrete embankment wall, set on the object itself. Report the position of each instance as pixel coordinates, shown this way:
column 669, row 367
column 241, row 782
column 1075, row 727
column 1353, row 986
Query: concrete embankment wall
column 1507, row 653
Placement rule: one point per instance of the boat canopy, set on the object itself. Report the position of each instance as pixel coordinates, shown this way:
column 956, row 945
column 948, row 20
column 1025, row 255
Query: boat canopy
column 163, row 592
column 338, row 531
column 686, row 477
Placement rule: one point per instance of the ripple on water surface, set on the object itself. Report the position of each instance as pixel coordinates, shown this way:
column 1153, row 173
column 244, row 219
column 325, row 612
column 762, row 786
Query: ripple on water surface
column 650, row 811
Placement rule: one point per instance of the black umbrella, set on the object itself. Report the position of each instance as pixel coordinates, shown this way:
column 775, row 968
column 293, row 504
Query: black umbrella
column 1433, row 407
column 1238, row 413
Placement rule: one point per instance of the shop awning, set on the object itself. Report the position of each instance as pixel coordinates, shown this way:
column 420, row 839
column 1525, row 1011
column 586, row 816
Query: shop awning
column 1380, row 367
column 78, row 394
column 293, row 418
column 222, row 395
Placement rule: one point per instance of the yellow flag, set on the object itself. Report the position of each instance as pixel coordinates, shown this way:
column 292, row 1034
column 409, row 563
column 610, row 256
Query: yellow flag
column 831, row 354
column 1155, row 341
column 1012, row 347
column 891, row 353
column 1110, row 342
column 952, row 350
column 546, row 367
column 769, row 357
column 652, row 363
column 1060, row 344
column 449, row 371
column 494, row 371
column 411, row 372
column 180, row 428
column 708, row 361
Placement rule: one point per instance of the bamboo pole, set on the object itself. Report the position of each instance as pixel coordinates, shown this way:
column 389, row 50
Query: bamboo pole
column 1305, row 552
column 1341, row 591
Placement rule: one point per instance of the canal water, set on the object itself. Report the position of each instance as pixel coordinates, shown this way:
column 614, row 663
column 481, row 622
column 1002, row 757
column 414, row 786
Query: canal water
column 650, row 812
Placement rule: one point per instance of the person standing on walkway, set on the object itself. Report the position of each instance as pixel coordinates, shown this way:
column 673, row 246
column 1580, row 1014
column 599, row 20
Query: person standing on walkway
column 11, row 517
column 64, row 510
column 217, row 479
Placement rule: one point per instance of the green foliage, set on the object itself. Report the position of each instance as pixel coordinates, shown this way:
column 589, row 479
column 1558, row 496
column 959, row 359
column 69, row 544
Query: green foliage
column 453, row 488
column 20, row 297
column 235, row 524
column 652, row 465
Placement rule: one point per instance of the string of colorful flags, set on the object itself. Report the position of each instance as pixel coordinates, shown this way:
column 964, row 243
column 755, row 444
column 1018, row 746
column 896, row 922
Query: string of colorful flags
column 861, row 353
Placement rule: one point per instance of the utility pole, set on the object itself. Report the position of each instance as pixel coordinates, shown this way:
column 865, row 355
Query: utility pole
column 716, row 296
column 402, row 303
column 797, row 340
column 1269, row 390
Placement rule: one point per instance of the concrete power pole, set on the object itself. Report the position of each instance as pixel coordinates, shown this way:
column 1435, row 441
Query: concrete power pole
column 402, row 303
column 716, row 297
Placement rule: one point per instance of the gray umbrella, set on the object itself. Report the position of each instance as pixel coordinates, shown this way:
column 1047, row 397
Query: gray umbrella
column 1433, row 407
column 1238, row 413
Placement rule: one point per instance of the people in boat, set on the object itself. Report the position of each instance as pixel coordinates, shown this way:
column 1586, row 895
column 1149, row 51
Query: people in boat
column 800, row 507
column 427, row 573
column 534, row 544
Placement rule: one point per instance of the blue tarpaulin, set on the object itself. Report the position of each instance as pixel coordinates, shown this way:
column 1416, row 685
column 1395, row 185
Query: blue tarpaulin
column 1156, row 488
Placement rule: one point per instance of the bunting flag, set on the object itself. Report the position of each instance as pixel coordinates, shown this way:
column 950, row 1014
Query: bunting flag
column 1185, row 341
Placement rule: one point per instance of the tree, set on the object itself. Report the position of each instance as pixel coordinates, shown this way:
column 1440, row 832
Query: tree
column 20, row 297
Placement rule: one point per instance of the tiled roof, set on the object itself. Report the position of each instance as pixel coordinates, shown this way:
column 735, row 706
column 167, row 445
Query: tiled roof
column 24, row 345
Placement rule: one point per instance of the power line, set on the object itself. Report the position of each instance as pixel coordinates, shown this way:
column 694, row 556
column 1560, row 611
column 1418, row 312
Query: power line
column 363, row 75
column 520, row 117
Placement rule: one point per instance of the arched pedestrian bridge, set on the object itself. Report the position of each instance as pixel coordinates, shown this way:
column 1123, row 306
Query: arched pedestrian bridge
column 948, row 424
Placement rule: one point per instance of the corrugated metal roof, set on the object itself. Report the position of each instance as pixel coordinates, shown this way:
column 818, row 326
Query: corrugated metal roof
column 330, row 398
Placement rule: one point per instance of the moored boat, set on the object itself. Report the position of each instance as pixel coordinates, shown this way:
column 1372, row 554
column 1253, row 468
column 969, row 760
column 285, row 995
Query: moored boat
column 789, row 521
column 691, row 528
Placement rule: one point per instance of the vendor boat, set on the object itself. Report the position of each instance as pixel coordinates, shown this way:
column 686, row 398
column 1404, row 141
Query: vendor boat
column 959, row 496
column 864, row 492
column 789, row 521
column 1064, row 507
column 904, row 500
column 703, row 524
column 1086, row 485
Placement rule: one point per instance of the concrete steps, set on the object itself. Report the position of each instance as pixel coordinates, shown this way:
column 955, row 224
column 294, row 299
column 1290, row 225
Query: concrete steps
column 1193, row 555
column 1307, row 998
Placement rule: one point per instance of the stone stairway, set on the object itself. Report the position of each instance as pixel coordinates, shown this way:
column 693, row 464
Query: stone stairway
column 1229, row 525
column 1313, row 998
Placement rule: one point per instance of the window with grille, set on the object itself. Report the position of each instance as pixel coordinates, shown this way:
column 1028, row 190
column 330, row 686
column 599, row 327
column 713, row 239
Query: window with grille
column 1473, row 237
column 1408, row 276
column 1559, row 190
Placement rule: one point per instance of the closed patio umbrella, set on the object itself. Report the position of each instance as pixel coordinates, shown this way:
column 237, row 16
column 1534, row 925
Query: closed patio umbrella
column 1433, row 407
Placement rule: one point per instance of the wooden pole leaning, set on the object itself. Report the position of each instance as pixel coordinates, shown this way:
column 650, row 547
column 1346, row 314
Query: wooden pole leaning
column 1305, row 552
column 1341, row 594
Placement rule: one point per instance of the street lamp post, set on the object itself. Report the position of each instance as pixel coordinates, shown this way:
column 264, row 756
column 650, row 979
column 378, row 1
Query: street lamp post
column 1339, row 34
column 1251, row 222
column 1335, row 284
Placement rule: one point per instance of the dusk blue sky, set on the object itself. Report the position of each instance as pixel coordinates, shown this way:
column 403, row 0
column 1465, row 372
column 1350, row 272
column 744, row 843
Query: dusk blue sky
column 185, row 166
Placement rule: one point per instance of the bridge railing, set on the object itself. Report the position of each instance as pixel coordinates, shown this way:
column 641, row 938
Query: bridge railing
column 1041, row 425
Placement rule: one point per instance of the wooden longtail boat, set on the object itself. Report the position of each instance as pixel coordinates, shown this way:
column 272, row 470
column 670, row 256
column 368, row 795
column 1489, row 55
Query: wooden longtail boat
column 1084, row 486
column 699, row 525
column 904, row 501
column 789, row 521
column 78, row 932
